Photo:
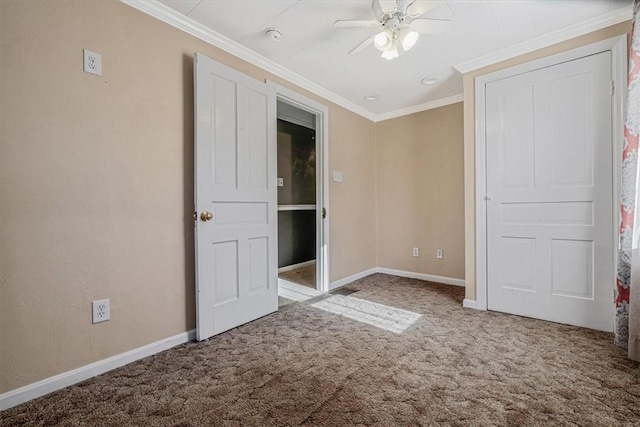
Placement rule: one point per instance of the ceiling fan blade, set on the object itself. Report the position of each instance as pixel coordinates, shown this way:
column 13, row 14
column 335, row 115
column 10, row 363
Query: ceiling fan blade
column 403, row 5
column 354, row 23
column 418, row 7
column 430, row 26
column 378, row 13
column 388, row 6
column 362, row 46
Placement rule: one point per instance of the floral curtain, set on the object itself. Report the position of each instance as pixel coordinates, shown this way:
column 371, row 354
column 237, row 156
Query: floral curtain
column 627, row 320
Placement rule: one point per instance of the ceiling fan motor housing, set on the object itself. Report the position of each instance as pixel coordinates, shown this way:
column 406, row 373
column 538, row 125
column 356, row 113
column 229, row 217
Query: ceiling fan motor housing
column 394, row 22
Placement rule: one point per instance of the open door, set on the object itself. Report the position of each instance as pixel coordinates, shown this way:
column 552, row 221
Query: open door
column 235, row 198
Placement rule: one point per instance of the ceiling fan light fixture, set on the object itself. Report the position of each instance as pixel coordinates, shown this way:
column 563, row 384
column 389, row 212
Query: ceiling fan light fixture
column 390, row 53
column 408, row 38
column 383, row 40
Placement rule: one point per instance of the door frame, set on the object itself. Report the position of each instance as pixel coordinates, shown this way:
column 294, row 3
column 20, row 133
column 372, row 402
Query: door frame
column 618, row 48
column 321, row 113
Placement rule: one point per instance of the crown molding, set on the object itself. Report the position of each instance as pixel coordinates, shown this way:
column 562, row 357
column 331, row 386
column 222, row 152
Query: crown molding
column 188, row 25
column 421, row 107
column 174, row 18
column 577, row 30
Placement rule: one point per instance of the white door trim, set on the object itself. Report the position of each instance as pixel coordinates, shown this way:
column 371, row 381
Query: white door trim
column 618, row 47
column 321, row 112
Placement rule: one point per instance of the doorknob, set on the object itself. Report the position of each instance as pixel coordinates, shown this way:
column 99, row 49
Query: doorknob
column 206, row 216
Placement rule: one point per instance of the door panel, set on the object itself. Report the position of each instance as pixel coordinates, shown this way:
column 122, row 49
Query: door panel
column 517, row 149
column 236, row 250
column 223, row 131
column 549, row 181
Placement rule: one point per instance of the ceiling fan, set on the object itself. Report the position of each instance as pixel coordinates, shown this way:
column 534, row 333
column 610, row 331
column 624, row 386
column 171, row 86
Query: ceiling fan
column 400, row 24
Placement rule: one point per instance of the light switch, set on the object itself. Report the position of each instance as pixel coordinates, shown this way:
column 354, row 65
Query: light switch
column 337, row 176
column 280, row 182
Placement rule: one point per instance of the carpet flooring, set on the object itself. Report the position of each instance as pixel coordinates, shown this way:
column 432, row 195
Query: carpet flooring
column 305, row 276
column 307, row 366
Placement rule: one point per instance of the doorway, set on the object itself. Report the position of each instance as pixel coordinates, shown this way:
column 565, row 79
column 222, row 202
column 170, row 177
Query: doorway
column 302, row 147
column 296, row 196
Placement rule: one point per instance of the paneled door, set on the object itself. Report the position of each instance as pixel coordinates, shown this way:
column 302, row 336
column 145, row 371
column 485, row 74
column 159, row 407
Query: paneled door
column 235, row 198
column 550, row 193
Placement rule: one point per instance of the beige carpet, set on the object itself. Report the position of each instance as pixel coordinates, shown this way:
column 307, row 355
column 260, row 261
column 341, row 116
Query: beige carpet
column 305, row 276
column 306, row 366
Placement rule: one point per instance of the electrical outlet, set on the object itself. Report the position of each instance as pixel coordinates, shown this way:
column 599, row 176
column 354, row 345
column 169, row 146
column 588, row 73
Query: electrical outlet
column 439, row 254
column 92, row 62
column 416, row 252
column 101, row 311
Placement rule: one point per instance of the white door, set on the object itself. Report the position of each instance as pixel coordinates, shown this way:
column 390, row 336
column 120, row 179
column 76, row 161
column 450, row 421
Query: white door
column 235, row 180
column 550, row 193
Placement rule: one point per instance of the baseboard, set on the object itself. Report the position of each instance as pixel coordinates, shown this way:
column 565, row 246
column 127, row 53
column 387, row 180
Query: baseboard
column 346, row 280
column 422, row 276
column 294, row 266
column 469, row 303
column 23, row 394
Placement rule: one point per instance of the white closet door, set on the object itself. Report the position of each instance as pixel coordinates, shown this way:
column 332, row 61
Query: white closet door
column 549, row 180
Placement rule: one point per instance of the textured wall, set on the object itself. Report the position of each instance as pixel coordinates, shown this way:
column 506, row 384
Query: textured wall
column 469, row 134
column 420, row 192
column 96, row 184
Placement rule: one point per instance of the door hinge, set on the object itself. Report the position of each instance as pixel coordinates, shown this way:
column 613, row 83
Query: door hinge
column 324, row 213
column 613, row 87
column 613, row 294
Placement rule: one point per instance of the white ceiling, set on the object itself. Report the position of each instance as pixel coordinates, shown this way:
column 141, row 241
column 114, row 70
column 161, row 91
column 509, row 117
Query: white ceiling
column 314, row 49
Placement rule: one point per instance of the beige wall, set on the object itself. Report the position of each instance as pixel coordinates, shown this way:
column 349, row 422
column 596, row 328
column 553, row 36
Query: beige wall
column 420, row 191
column 469, row 133
column 96, row 184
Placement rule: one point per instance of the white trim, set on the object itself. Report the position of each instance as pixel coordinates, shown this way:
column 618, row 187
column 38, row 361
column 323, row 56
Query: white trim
column 190, row 26
column 294, row 266
column 400, row 273
column 321, row 113
column 618, row 47
column 619, row 70
column 182, row 22
column 296, row 207
column 23, row 394
column 346, row 280
column 422, row 276
column 421, row 107
column 480, row 202
column 469, row 303
column 32, row 391
column 597, row 23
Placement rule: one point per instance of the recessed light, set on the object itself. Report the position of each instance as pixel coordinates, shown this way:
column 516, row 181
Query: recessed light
column 429, row 80
column 372, row 97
